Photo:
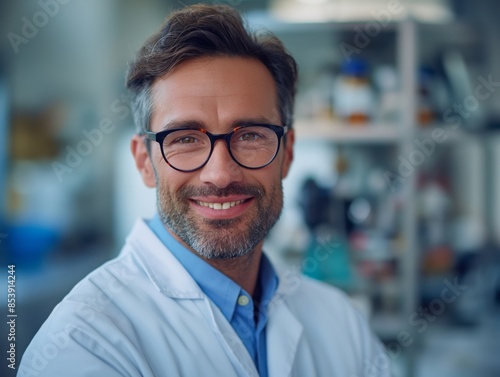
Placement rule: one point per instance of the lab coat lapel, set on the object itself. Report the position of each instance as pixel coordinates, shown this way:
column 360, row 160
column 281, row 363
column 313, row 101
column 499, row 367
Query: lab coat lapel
column 231, row 342
column 163, row 269
column 171, row 278
column 283, row 336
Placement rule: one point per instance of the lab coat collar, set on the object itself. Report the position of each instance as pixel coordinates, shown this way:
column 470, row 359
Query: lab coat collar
column 173, row 280
column 284, row 331
column 164, row 270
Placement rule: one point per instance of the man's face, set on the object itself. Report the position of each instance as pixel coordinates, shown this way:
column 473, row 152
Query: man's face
column 216, row 94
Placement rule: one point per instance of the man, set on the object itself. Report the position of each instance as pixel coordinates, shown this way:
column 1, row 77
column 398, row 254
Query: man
column 191, row 293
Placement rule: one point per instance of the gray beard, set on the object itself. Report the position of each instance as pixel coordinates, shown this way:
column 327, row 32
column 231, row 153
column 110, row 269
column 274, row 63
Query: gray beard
column 218, row 238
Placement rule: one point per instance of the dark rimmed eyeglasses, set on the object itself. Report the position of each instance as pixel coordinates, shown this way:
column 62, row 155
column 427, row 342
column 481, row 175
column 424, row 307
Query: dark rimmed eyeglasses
column 251, row 146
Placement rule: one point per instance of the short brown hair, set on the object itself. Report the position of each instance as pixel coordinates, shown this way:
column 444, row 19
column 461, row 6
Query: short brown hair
column 207, row 30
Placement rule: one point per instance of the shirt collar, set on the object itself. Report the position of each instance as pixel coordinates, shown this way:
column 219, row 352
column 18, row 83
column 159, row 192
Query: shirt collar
column 223, row 291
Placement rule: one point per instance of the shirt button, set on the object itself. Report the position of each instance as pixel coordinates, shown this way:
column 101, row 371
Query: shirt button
column 243, row 300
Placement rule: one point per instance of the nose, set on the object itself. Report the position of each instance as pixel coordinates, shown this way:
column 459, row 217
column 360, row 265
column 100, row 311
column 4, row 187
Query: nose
column 221, row 170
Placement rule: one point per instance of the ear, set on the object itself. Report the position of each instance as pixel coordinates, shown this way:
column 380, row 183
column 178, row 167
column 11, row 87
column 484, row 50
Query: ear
column 143, row 160
column 288, row 156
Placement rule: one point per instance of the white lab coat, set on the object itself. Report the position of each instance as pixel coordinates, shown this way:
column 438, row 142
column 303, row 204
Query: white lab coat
column 142, row 314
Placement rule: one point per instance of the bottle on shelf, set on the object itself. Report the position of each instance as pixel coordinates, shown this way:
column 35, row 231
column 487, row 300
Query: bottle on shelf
column 353, row 96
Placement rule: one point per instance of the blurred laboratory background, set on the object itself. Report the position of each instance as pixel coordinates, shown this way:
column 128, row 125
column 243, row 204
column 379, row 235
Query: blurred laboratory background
column 391, row 197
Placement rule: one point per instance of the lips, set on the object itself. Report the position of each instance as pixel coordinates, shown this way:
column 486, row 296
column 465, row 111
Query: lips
column 221, row 203
column 229, row 207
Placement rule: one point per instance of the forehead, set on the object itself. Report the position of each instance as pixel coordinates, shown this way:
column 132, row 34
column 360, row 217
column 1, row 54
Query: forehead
column 215, row 91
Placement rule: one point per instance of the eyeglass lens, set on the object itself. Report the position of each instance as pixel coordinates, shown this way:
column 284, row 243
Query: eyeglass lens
column 252, row 147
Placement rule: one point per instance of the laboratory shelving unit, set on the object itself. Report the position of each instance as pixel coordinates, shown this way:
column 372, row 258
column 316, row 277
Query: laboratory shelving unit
column 400, row 135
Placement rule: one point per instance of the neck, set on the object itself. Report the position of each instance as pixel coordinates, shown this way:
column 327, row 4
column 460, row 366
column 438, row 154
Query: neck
column 242, row 270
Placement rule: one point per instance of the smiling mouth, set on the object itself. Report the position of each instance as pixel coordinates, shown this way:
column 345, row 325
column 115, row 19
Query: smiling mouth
column 220, row 206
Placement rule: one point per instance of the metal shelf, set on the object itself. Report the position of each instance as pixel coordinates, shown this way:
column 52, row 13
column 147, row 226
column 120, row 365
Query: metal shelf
column 339, row 132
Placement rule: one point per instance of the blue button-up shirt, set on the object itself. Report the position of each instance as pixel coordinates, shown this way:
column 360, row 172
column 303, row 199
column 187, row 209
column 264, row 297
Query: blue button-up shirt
column 233, row 301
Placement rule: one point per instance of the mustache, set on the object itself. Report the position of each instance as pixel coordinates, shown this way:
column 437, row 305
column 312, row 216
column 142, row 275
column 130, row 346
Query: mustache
column 233, row 189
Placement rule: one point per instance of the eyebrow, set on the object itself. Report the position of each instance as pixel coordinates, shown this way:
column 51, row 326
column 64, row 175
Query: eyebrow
column 251, row 121
column 199, row 124
column 183, row 124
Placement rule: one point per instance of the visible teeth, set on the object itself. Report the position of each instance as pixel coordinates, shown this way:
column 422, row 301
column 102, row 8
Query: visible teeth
column 220, row 206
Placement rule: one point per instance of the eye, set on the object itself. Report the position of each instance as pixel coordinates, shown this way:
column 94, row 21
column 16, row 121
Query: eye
column 249, row 136
column 185, row 140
